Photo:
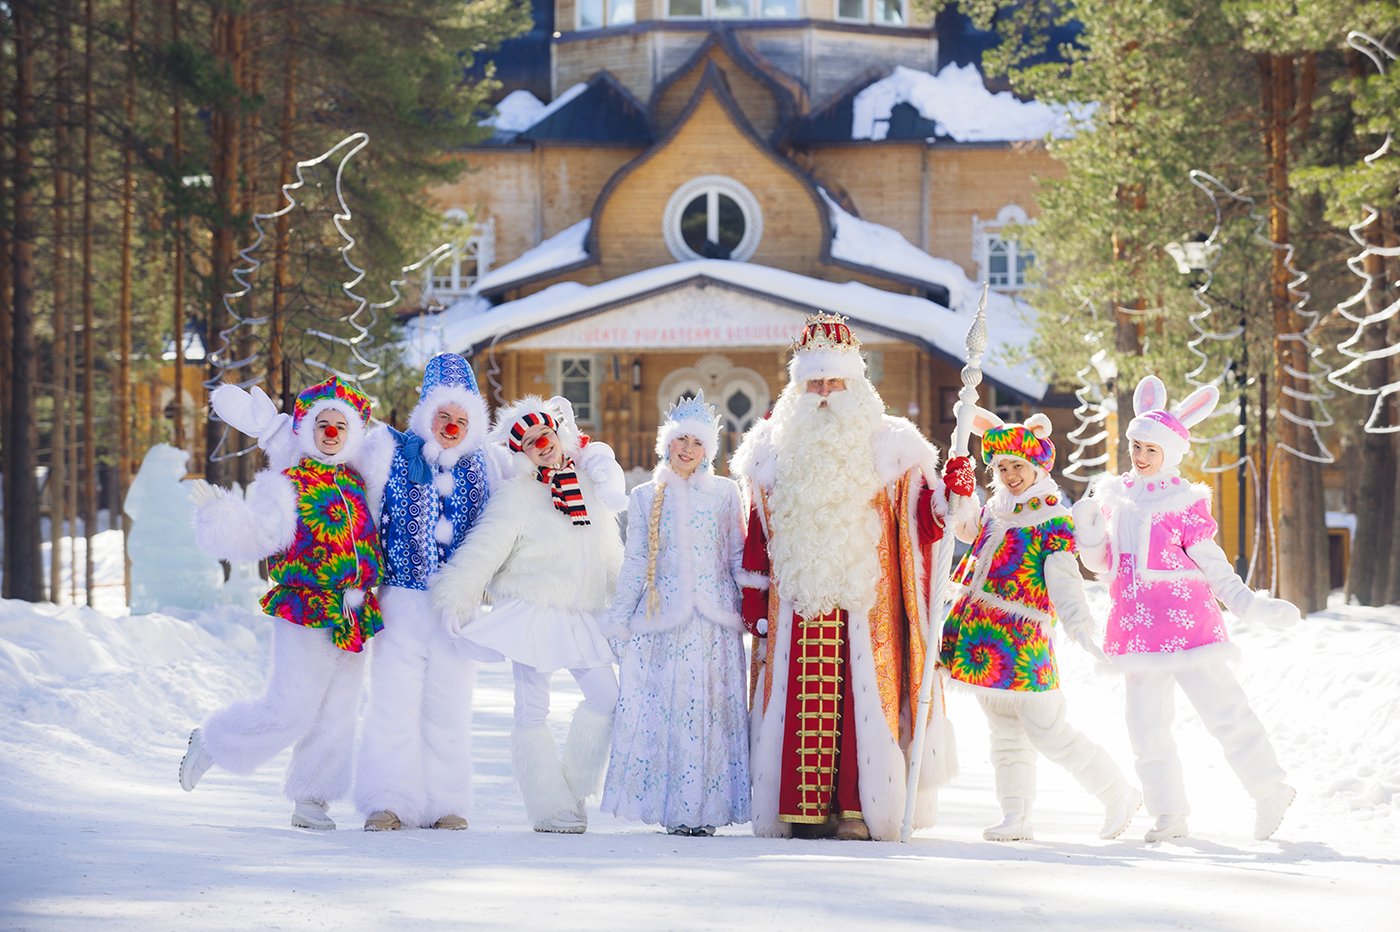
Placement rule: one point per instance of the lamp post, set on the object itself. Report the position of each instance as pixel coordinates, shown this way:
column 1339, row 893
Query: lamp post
column 1194, row 257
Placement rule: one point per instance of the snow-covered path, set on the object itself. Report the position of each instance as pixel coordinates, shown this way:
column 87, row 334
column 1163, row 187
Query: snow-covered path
column 97, row 832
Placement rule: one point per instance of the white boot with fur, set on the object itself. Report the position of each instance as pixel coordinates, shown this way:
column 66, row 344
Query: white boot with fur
column 586, row 753
column 549, row 802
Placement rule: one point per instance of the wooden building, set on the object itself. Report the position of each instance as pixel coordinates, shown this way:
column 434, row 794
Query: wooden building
column 709, row 172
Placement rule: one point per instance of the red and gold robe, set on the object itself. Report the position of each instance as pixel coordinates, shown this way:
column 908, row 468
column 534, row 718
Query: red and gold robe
column 820, row 676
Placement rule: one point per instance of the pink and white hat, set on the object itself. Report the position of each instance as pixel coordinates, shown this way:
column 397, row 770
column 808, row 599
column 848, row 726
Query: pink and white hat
column 1170, row 430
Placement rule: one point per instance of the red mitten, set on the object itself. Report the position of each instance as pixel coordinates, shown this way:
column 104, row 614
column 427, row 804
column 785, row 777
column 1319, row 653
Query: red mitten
column 960, row 476
column 754, row 610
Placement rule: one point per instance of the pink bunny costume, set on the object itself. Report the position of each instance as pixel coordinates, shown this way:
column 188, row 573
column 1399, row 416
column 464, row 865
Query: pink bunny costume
column 1153, row 538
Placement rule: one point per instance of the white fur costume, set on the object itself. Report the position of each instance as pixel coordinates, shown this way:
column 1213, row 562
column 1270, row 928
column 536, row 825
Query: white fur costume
column 549, row 582
column 311, row 695
column 1164, row 628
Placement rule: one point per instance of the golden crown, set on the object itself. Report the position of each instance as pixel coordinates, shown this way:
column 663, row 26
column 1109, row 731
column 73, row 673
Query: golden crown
column 824, row 331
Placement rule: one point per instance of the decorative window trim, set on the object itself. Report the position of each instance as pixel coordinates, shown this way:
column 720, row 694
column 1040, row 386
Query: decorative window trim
column 555, row 363
column 748, row 205
column 719, row 378
column 864, row 16
column 472, row 257
column 984, row 232
column 903, row 14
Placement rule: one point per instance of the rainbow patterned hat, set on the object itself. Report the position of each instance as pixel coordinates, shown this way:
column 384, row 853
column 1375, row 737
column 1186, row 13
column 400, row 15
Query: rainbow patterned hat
column 1018, row 440
column 331, row 390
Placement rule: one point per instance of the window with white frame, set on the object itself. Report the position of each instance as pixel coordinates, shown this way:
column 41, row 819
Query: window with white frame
column 712, row 217
column 474, row 251
column 576, row 378
column 595, row 14
column 881, row 12
column 731, row 9
column 1002, row 260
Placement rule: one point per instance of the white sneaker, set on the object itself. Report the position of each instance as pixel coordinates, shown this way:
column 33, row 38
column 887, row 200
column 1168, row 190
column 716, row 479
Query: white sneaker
column 1119, row 813
column 1268, row 812
column 1166, row 826
column 196, row 761
column 311, row 813
column 1011, row 828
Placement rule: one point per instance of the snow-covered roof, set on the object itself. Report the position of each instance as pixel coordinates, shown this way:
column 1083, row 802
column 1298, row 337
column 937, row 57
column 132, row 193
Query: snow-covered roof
column 470, row 324
column 520, row 110
column 194, row 347
column 880, row 247
column 959, row 103
column 561, row 250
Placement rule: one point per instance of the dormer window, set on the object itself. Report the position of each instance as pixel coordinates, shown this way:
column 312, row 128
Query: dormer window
column 880, row 12
column 712, row 217
column 731, row 9
column 1002, row 261
column 595, row 14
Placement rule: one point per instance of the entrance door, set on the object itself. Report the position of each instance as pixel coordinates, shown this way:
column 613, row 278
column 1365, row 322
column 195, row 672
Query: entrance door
column 740, row 395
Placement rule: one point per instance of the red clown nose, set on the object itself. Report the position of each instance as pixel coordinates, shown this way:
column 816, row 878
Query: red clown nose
column 331, row 432
column 541, row 442
column 450, row 430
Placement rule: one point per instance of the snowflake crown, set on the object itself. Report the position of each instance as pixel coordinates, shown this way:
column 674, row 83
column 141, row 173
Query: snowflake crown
column 691, row 409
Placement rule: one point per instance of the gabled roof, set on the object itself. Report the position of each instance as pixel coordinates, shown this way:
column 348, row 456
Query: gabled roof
column 604, row 112
column 470, row 324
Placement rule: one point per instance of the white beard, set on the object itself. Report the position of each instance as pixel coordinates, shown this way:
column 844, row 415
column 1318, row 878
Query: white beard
column 825, row 534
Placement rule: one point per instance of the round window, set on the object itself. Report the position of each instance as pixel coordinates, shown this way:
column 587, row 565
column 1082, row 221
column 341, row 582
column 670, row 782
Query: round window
column 713, row 217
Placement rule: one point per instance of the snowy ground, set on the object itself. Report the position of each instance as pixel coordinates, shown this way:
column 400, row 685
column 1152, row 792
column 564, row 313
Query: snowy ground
column 95, row 709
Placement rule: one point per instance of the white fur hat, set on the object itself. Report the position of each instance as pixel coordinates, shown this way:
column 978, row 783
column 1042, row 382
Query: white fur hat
column 689, row 417
column 826, row 350
column 1170, row 430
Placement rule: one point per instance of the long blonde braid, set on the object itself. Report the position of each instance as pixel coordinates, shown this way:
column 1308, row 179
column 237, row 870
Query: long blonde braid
column 653, row 538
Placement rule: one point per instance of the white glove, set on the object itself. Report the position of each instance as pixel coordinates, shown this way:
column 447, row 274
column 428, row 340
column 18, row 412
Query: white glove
column 202, row 493
column 1276, row 613
column 1085, row 639
column 1088, row 521
column 454, row 625
column 597, row 461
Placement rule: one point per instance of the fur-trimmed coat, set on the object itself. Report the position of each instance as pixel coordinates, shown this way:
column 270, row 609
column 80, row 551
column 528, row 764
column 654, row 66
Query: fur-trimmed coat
column 906, row 463
column 700, row 546
column 1165, row 572
column 524, row 548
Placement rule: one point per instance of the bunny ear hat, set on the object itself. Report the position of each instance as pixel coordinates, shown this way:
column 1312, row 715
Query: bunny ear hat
column 1169, row 429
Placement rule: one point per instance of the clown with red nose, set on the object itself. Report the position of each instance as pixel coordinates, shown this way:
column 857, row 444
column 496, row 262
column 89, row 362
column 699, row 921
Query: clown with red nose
column 433, row 481
column 547, row 554
column 310, row 515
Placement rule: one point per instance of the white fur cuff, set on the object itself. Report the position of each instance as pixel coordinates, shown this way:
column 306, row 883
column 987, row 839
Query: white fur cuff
column 751, row 580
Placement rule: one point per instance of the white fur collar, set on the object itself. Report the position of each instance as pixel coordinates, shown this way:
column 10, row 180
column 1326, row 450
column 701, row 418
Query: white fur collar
column 702, row 480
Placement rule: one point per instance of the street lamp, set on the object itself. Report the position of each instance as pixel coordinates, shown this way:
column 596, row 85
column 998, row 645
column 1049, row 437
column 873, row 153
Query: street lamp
column 1194, row 257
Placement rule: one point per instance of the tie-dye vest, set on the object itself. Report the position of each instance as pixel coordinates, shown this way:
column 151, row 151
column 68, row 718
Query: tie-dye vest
column 336, row 549
column 997, row 635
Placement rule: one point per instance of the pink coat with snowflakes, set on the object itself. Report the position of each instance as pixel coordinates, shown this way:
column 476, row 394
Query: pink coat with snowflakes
column 1164, row 569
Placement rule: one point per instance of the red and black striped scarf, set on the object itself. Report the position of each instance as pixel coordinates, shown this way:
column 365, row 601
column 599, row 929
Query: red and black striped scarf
column 564, row 489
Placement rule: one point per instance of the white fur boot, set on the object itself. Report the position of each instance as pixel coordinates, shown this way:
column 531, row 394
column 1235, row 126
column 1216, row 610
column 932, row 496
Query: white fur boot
column 311, row 813
column 549, row 802
column 586, row 752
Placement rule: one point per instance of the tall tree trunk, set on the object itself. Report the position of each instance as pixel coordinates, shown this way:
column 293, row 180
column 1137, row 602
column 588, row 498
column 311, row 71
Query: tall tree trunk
column 123, row 470
column 23, row 562
column 250, row 127
column 278, row 386
column 7, row 337
column 1126, row 329
column 1301, row 528
column 177, row 322
column 225, row 119
column 89, row 418
column 1375, row 503
column 59, row 477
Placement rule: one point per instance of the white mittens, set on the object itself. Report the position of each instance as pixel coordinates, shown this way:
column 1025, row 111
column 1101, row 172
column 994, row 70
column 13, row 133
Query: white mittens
column 1276, row 613
column 1089, row 526
column 202, row 493
column 454, row 625
column 1085, row 638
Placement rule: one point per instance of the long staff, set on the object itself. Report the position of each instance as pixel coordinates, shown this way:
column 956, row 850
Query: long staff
column 943, row 558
